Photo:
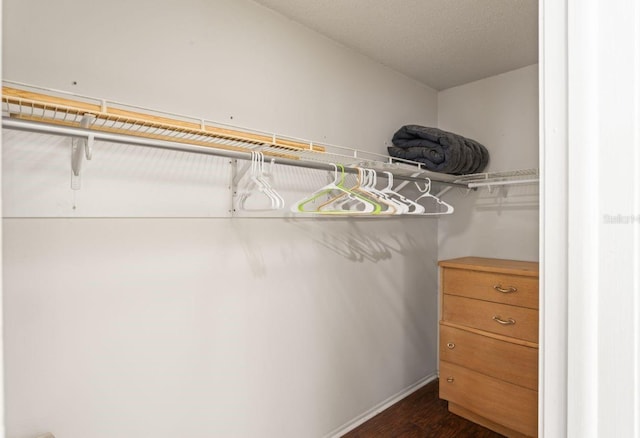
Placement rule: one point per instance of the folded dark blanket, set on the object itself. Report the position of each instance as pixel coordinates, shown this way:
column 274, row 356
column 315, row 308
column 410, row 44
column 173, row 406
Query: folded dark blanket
column 438, row 150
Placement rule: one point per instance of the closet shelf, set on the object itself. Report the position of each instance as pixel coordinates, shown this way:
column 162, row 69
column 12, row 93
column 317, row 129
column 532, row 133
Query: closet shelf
column 32, row 108
column 491, row 179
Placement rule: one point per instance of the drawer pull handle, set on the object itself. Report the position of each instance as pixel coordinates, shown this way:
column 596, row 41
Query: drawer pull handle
column 450, row 379
column 508, row 321
column 451, row 345
column 509, row 290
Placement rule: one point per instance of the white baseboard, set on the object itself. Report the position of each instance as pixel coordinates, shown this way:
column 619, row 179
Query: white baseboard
column 352, row 424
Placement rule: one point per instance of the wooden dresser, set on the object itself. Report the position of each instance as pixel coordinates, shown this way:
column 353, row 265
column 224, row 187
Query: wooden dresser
column 489, row 342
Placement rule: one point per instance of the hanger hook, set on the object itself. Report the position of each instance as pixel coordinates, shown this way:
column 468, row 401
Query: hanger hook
column 389, row 179
column 335, row 172
column 427, row 186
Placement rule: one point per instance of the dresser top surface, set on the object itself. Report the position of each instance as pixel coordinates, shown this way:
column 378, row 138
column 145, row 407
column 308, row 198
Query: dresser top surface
column 485, row 264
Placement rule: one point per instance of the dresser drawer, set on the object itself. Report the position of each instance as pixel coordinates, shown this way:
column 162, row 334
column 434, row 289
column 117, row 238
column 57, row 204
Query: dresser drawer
column 516, row 290
column 512, row 321
column 504, row 403
column 513, row 363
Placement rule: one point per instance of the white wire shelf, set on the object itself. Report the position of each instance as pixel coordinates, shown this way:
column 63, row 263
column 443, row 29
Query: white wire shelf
column 34, row 108
column 491, row 179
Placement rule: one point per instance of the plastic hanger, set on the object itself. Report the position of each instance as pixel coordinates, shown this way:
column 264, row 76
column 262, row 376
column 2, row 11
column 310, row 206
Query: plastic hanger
column 363, row 188
column 372, row 182
column 258, row 184
column 336, row 190
column 411, row 207
column 277, row 202
column 426, row 194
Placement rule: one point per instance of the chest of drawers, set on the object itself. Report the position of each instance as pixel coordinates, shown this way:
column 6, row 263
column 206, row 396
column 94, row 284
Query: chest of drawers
column 489, row 342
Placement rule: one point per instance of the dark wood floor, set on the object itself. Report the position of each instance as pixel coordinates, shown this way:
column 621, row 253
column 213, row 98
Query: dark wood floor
column 420, row 415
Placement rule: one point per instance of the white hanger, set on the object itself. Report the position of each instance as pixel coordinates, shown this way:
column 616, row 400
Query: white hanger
column 277, row 202
column 363, row 188
column 359, row 204
column 411, row 206
column 399, row 207
column 426, row 194
column 258, row 184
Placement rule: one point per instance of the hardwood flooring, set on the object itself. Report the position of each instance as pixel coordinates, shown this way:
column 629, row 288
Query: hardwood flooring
column 420, row 415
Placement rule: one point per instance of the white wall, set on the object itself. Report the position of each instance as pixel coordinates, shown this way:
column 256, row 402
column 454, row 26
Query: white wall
column 213, row 59
column 554, row 248
column 203, row 326
column 227, row 327
column 501, row 112
column 2, row 428
column 591, row 231
column 603, row 213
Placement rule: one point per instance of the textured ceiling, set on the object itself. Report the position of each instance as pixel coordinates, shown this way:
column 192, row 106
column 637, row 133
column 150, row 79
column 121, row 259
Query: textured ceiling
column 441, row 43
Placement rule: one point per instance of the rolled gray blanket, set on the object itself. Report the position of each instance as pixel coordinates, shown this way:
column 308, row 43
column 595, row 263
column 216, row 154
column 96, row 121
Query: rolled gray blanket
column 438, row 150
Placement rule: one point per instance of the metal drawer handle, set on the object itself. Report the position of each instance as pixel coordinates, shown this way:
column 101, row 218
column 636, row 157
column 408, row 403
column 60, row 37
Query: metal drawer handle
column 450, row 379
column 451, row 345
column 510, row 290
column 499, row 320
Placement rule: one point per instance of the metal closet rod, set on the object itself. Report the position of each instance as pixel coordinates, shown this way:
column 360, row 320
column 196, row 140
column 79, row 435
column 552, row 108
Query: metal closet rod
column 46, row 128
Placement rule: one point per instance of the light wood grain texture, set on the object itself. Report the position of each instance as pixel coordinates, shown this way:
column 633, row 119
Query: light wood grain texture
column 490, row 335
column 492, row 367
column 499, row 287
column 510, row 362
column 420, row 415
column 44, row 101
column 472, row 416
column 158, row 137
column 498, row 401
column 485, row 264
column 479, row 314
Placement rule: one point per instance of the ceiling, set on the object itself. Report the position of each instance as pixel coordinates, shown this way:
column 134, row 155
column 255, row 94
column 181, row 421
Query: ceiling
column 441, row 43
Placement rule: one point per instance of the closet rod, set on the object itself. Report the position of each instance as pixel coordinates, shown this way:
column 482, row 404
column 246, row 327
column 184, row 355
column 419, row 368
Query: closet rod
column 46, row 128
column 473, row 185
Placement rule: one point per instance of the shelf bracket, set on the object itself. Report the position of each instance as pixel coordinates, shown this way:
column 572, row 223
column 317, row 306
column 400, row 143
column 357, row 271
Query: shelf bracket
column 233, row 187
column 239, row 172
column 81, row 148
column 403, row 184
